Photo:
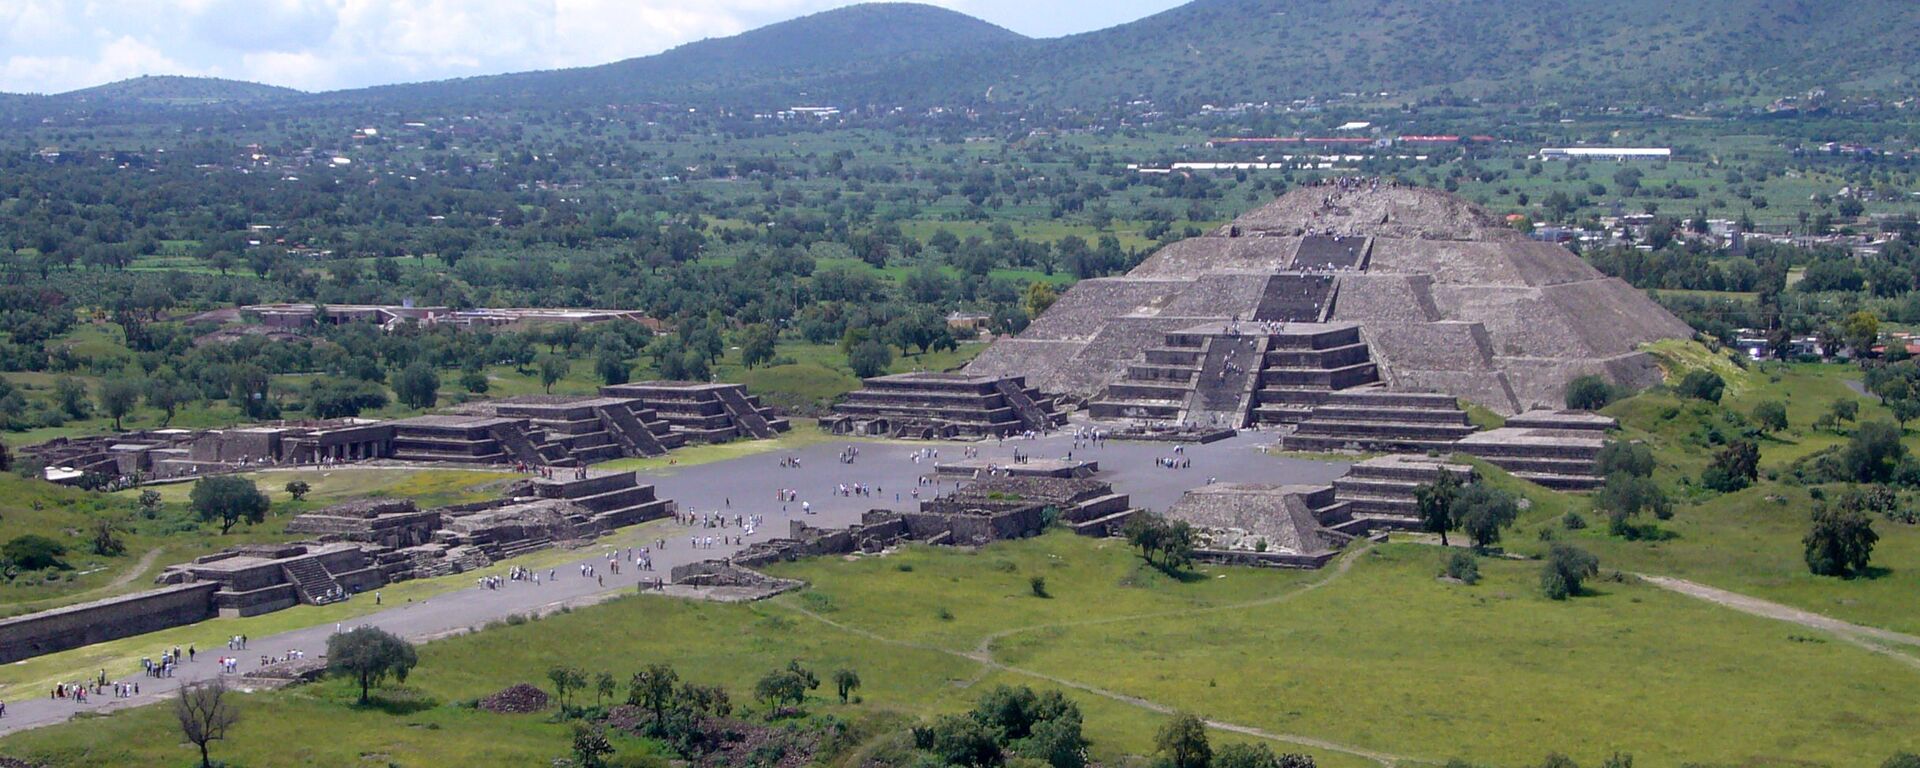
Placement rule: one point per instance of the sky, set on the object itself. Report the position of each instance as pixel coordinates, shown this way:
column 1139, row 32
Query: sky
column 51, row 46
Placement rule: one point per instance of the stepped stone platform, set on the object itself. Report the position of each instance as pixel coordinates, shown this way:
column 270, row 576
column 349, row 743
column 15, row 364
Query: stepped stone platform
column 1003, row 507
column 701, row 412
column 1556, row 449
column 1255, row 524
column 1379, row 419
column 1447, row 299
column 1378, row 493
column 572, row 430
column 364, row 545
column 943, row 406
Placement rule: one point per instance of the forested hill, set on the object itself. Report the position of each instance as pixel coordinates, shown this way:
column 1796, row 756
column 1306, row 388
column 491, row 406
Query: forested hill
column 1622, row 52
column 859, row 43
column 170, row 89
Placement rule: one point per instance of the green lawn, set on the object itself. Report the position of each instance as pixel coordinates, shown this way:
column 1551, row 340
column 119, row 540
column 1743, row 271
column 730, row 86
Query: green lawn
column 1384, row 657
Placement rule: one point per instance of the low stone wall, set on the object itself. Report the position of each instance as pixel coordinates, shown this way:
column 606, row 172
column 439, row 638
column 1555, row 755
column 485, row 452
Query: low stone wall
column 60, row 629
column 1262, row 559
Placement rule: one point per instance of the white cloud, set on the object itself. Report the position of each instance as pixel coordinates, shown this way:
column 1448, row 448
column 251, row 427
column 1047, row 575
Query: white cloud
column 50, row 46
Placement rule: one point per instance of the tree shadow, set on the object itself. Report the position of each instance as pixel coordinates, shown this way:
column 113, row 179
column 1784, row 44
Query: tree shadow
column 397, row 702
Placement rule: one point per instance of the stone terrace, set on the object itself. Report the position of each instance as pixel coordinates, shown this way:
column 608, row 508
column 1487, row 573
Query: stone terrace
column 943, row 406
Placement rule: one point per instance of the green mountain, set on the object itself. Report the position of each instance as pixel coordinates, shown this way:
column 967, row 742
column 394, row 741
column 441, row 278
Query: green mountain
column 178, row 90
column 860, row 42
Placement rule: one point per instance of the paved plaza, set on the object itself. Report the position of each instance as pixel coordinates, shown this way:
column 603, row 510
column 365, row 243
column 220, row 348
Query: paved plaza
column 745, row 486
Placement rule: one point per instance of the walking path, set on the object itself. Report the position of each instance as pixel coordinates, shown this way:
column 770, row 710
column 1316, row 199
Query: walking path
column 741, row 486
column 1870, row 638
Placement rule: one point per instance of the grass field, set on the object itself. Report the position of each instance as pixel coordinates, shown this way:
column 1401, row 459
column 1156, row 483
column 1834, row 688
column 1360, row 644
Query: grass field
column 1383, row 657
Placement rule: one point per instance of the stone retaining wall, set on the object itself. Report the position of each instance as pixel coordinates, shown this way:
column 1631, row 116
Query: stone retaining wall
column 62, row 629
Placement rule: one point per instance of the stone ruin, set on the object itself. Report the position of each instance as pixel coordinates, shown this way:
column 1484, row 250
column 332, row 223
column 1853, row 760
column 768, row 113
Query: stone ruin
column 363, row 545
column 943, row 406
column 1442, row 296
column 1257, row 524
column 628, row 420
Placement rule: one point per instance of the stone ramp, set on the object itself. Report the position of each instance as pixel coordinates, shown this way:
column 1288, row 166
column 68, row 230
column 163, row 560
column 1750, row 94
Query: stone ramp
column 1225, row 386
column 629, row 432
column 1024, row 407
column 311, row 580
column 1296, row 299
column 744, row 414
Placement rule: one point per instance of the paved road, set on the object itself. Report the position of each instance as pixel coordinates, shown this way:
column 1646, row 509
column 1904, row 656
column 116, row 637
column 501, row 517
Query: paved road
column 746, row 485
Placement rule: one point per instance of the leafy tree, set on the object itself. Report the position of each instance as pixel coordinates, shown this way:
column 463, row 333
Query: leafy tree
column 33, row 552
column 1624, row 457
column 959, row 740
column 1734, row 467
column 612, row 367
column 1435, row 502
column 228, row 500
column 1183, row 740
column 1840, row 542
column 603, row 687
column 1771, row 415
column 167, row 394
column 757, row 343
column 1625, row 496
column 370, row 655
column 1844, row 409
column 298, row 489
column 845, row 682
column 1589, row 393
column 1040, row 296
column 1873, row 452
column 590, row 746
column 149, row 502
column 1904, row 410
column 417, row 385
column 475, row 382
column 118, row 396
column 1565, row 569
column 652, row 689
column 781, row 687
column 1484, row 512
column 869, row 358
column 1861, row 331
column 71, row 394
column 1057, row 740
column 334, row 398
column 553, row 368
column 205, row 712
column 105, row 541
column 1702, row 385
column 566, row 680
column 1144, row 532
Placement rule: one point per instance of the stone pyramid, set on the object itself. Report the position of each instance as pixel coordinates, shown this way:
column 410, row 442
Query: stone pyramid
column 1446, row 298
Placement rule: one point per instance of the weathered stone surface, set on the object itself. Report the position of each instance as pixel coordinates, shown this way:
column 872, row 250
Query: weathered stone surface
column 1447, row 298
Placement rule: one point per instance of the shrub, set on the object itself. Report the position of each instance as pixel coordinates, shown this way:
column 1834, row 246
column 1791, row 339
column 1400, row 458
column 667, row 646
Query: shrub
column 1734, row 467
column 1565, row 569
column 1771, row 416
column 1840, row 542
column 1702, row 385
column 1619, row 456
column 1589, row 393
column 1038, row 585
column 1463, row 567
column 33, row 552
column 1572, row 521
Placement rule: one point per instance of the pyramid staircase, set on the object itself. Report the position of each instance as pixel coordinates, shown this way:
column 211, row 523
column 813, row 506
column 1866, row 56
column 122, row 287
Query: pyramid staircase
column 1235, row 374
column 744, row 413
column 311, row 580
column 1031, row 415
column 632, row 435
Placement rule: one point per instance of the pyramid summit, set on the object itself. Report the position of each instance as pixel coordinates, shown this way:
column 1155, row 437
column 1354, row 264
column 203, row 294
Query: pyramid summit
column 1347, row 284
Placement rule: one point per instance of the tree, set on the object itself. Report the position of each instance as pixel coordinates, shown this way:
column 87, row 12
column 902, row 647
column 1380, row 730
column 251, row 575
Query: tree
column 590, row 746
column 1483, row 512
column 475, row 382
column 228, row 500
column 603, row 687
column 959, row 740
column 1589, row 393
column 566, row 680
column 652, row 689
column 167, row 394
column 1844, row 409
column 205, row 711
column 105, row 541
column 1566, row 567
column 1183, row 740
column 869, row 358
column 1904, row 410
column 33, row 552
column 1625, row 496
column 1734, row 467
column 1861, row 330
column 1702, row 385
column 1771, row 415
column 71, row 394
column 1840, row 542
column 1144, row 532
column 781, row 686
column 417, row 385
column 552, row 369
column 1258, row 756
column 118, row 396
column 845, row 682
column 757, row 344
column 298, row 489
column 1873, row 453
column 334, row 398
column 612, row 367
column 370, row 655
column 1040, row 296
column 1623, row 457
column 1435, row 502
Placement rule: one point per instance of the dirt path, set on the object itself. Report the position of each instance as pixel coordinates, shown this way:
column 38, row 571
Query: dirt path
column 983, row 655
column 1870, row 638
